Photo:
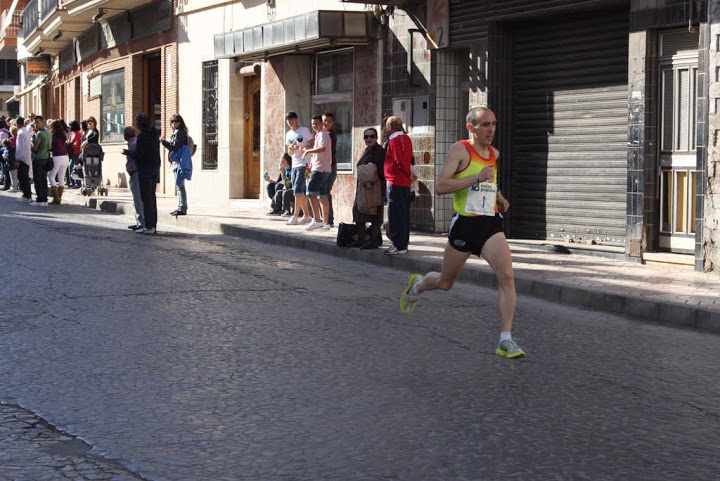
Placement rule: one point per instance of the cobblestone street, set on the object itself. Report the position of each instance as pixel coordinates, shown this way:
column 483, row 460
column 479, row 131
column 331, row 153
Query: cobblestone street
column 182, row 356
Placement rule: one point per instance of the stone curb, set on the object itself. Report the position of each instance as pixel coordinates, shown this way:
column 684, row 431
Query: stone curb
column 637, row 308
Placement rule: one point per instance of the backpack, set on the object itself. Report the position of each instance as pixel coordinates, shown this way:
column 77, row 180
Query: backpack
column 191, row 145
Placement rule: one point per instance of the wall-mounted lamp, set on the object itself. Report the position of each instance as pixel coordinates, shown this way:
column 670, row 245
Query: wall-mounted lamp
column 39, row 51
column 99, row 15
column 57, row 37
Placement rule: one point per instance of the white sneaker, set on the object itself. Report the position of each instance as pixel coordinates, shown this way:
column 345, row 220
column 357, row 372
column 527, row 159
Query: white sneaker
column 286, row 214
column 292, row 221
column 327, row 226
column 24, row 200
column 141, row 230
column 150, row 231
column 314, row 225
column 306, row 220
column 394, row 251
column 38, row 204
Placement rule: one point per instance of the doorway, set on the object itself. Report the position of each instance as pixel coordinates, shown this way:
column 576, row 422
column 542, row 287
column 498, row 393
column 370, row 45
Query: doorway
column 252, row 137
column 677, row 84
column 152, row 92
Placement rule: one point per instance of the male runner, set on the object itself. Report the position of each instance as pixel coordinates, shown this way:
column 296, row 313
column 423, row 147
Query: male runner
column 470, row 174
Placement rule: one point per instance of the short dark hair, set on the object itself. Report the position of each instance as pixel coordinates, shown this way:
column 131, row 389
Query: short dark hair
column 142, row 120
column 38, row 117
column 329, row 114
column 371, row 128
column 317, row 117
column 74, row 126
column 20, row 122
column 290, row 115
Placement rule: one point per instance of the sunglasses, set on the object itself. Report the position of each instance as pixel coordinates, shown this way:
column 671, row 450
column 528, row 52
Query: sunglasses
column 174, row 121
column 370, row 137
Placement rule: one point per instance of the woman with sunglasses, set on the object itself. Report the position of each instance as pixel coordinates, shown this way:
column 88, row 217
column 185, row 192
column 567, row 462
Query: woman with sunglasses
column 369, row 192
column 177, row 140
column 91, row 135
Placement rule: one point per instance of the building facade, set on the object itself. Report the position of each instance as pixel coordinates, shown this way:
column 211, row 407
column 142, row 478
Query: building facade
column 606, row 113
column 606, row 108
column 110, row 60
column 10, row 24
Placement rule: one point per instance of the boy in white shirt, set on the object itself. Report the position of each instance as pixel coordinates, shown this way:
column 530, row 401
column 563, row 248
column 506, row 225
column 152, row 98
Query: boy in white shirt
column 296, row 139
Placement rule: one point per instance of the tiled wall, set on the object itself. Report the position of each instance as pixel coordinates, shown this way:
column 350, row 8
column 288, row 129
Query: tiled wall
column 703, row 120
column 447, row 112
column 401, row 82
column 636, row 155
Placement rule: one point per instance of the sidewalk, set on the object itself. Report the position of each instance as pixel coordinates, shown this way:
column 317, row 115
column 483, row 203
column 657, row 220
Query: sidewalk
column 603, row 281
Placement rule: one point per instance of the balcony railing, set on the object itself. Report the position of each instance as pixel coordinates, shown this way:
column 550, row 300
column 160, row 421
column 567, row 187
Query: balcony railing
column 30, row 18
column 47, row 8
column 11, row 28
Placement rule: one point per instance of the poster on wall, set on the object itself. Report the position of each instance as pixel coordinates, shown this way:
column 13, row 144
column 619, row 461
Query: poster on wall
column 438, row 27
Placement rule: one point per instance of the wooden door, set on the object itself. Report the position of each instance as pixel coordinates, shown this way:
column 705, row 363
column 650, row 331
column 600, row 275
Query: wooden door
column 252, row 137
column 152, row 89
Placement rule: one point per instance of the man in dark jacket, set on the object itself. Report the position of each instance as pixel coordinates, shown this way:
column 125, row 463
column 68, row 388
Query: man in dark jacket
column 147, row 159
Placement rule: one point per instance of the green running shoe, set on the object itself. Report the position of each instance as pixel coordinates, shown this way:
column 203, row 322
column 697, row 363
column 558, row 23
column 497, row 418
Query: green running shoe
column 509, row 349
column 408, row 298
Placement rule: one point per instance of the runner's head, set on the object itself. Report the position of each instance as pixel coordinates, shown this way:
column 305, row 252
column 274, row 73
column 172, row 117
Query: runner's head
column 481, row 124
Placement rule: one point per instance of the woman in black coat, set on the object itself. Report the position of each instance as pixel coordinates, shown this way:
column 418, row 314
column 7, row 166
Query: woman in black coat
column 147, row 159
column 375, row 154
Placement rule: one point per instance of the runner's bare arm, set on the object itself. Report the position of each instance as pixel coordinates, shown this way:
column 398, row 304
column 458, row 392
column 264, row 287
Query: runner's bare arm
column 503, row 204
column 457, row 159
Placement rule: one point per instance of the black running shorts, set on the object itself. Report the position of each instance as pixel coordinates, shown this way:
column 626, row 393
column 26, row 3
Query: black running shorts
column 469, row 234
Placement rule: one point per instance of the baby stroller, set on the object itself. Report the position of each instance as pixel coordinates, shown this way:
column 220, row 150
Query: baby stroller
column 92, row 158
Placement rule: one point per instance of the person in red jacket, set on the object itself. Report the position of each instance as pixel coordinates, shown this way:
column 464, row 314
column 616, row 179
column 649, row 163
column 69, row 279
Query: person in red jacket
column 399, row 177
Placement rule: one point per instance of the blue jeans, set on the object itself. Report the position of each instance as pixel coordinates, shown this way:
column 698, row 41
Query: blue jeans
column 399, row 215
column 182, row 193
column 330, row 183
column 137, row 200
column 73, row 162
column 298, row 180
column 317, row 184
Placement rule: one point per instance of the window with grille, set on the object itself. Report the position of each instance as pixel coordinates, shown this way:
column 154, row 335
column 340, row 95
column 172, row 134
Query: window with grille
column 210, row 116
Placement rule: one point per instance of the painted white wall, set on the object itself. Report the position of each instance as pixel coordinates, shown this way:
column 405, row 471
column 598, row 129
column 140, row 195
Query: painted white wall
column 197, row 28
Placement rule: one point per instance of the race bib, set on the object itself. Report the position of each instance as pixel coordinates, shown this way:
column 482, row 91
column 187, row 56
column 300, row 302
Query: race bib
column 481, row 199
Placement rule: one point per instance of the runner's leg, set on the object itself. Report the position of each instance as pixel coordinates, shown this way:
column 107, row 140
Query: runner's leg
column 496, row 252
column 453, row 263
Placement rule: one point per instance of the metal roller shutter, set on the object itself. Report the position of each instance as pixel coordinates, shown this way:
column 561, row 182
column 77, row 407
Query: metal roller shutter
column 569, row 129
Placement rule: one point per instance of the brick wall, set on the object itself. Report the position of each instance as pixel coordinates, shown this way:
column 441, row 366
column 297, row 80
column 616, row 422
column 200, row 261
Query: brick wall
column 128, row 56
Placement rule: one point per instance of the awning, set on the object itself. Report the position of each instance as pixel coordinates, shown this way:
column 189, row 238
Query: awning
column 303, row 33
column 38, row 82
